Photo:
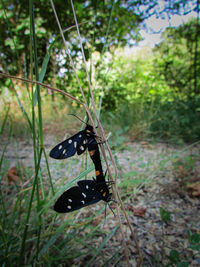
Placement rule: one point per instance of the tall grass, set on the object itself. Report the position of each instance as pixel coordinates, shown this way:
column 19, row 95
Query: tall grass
column 31, row 233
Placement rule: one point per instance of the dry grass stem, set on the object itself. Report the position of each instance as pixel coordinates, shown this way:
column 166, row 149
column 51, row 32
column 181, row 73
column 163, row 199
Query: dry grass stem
column 100, row 128
column 41, row 84
column 68, row 53
column 104, row 154
column 82, row 51
column 86, row 105
column 74, row 26
column 102, row 134
column 116, row 192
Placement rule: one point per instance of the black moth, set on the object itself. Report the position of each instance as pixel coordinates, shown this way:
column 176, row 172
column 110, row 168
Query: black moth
column 86, row 193
column 78, row 143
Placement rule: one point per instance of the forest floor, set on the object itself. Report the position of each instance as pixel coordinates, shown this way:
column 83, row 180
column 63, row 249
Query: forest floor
column 170, row 177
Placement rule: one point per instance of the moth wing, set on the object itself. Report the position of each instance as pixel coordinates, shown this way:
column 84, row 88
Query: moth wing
column 74, row 199
column 87, row 185
column 81, row 148
column 67, row 148
column 96, row 190
column 89, row 188
column 80, row 142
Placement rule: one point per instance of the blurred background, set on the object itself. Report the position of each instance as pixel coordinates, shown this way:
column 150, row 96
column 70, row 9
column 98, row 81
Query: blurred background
column 143, row 59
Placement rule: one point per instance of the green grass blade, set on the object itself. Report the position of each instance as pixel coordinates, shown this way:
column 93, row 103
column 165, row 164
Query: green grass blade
column 49, row 174
column 65, row 187
column 4, row 149
column 43, row 71
column 53, row 238
column 18, row 100
column 4, row 120
column 29, row 211
column 115, row 255
column 102, row 245
column 23, row 111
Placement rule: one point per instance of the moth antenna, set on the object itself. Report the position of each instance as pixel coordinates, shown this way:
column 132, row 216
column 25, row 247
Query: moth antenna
column 82, row 120
column 78, row 118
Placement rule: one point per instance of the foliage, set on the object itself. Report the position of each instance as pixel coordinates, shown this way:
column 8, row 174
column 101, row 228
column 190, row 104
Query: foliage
column 165, row 215
column 95, row 15
column 141, row 89
column 194, row 241
column 131, row 79
column 177, row 120
column 179, row 61
column 175, row 259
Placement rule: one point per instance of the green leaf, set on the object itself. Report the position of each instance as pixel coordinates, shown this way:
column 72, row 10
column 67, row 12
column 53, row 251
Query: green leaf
column 174, row 256
column 165, row 215
column 194, row 240
column 182, row 264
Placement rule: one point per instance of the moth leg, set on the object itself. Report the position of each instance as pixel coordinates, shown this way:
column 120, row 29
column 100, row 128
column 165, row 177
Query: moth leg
column 111, row 209
column 102, row 142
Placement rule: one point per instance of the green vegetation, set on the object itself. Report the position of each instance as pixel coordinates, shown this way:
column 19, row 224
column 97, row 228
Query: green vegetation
column 152, row 95
column 156, row 91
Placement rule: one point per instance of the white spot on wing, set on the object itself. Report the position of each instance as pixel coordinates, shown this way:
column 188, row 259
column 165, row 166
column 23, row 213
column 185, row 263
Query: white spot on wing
column 64, row 151
column 70, row 141
column 84, row 195
column 75, row 144
column 80, row 135
column 60, row 146
column 83, row 201
column 82, row 148
column 69, row 200
column 69, row 207
column 87, row 186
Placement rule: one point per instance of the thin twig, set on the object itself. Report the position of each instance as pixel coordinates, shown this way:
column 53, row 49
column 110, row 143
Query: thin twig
column 94, row 109
column 41, row 84
column 115, row 186
column 99, row 124
column 83, row 54
column 72, row 64
column 73, row 26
